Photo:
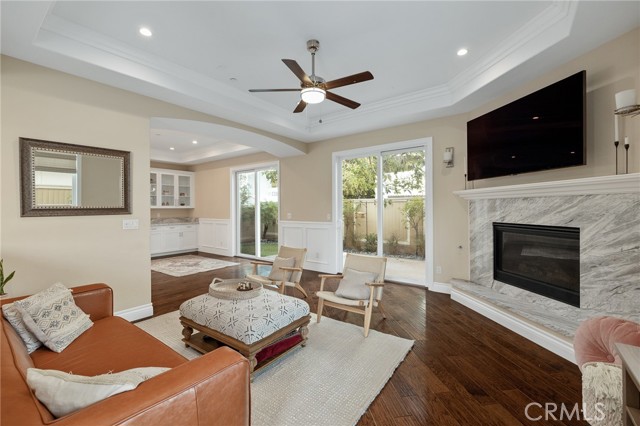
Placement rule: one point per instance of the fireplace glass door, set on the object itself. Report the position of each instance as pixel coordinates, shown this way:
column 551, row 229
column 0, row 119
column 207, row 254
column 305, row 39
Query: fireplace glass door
column 541, row 259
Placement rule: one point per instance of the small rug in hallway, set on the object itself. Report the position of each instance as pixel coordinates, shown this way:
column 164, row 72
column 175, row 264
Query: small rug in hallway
column 331, row 381
column 180, row 266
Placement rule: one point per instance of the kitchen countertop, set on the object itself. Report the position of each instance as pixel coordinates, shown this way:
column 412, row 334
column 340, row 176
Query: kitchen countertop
column 174, row 221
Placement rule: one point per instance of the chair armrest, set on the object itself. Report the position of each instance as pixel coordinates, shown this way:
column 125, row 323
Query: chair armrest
column 212, row 389
column 291, row 269
column 323, row 277
column 330, row 275
column 261, row 262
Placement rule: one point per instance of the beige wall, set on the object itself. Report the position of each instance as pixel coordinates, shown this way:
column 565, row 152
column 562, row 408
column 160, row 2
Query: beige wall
column 213, row 183
column 306, row 185
column 306, row 180
column 613, row 67
column 45, row 104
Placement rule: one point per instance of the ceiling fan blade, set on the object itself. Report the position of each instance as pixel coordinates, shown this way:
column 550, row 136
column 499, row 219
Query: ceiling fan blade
column 297, row 70
column 300, row 107
column 273, row 90
column 352, row 79
column 342, row 101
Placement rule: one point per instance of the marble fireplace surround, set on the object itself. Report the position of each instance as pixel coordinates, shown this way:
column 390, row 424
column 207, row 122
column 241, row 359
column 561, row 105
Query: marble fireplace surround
column 607, row 211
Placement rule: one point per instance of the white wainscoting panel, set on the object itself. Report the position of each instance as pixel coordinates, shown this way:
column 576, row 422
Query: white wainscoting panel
column 319, row 240
column 214, row 236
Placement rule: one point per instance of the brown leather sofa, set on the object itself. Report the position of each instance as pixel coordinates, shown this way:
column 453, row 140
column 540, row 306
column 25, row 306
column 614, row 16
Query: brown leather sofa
column 210, row 390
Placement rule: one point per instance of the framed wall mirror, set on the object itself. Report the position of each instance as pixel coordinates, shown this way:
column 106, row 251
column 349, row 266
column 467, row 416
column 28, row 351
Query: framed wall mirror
column 61, row 179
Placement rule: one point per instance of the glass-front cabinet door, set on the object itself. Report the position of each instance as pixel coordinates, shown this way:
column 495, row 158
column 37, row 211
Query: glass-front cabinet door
column 153, row 189
column 168, row 190
column 184, row 190
column 171, row 189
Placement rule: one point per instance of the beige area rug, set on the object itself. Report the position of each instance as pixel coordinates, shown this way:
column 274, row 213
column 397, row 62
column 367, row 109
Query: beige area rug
column 331, row 381
column 180, row 266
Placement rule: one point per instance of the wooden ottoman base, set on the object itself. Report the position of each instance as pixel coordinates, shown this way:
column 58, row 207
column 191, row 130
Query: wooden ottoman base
column 200, row 342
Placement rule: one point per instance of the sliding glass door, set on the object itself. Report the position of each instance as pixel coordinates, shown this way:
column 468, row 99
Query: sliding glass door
column 257, row 212
column 403, row 234
column 383, row 210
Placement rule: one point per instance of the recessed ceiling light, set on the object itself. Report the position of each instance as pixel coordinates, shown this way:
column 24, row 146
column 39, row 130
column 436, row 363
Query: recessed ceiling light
column 145, row 31
column 172, row 148
column 194, row 142
column 535, row 117
column 462, row 52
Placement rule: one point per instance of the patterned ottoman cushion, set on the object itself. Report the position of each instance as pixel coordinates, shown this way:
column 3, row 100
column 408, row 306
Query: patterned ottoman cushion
column 245, row 320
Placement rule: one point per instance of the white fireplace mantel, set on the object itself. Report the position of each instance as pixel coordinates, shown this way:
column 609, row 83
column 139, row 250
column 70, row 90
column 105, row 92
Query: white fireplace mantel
column 616, row 184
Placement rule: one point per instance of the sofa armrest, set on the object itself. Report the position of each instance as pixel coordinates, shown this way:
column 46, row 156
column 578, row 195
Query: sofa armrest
column 96, row 300
column 212, row 389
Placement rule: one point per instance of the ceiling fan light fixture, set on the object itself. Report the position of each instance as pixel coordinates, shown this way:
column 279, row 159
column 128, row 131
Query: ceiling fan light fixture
column 313, row 95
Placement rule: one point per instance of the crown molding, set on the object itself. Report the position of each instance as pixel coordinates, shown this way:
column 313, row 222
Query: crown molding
column 191, row 89
column 548, row 28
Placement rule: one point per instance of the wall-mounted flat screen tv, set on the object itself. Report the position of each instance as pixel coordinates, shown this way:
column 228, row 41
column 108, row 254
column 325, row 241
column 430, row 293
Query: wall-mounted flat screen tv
column 541, row 131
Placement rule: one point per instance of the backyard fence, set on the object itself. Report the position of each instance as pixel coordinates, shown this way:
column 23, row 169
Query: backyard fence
column 403, row 227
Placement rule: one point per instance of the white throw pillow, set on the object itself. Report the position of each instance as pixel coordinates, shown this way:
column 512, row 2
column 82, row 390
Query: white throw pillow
column 15, row 319
column 53, row 317
column 279, row 262
column 64, row 393
column 352, row 285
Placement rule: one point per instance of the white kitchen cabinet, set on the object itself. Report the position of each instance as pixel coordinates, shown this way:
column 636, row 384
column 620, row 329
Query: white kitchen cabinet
column 156, row 240
column 167, row 239
column 189, row 237
column 171, row 238
column 171, row 189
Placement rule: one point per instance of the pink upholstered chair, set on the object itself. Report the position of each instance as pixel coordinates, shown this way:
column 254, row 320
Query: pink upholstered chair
column 596, row 337
column 599, row 361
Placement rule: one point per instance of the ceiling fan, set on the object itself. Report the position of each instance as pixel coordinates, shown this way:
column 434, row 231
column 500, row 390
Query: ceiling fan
column 314, row 89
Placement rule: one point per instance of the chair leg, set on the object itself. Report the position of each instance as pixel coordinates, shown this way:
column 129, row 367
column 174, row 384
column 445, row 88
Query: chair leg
column 367, row 320
column 320, row 306
column 384, row 314
column 299, row 287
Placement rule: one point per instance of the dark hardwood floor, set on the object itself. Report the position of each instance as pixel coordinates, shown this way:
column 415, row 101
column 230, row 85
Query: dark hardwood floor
column 464, row 369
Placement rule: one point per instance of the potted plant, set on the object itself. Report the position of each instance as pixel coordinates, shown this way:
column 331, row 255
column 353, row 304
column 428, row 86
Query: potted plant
column 3, row 280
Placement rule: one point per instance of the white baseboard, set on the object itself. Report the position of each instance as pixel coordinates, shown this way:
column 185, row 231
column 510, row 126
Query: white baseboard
column 556, row 343
column 170, row 253
column 136, row 313
column 440, row 287
column 216, row 251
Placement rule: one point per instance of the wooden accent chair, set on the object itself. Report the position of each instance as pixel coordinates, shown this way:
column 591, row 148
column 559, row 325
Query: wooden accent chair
column 360, row 287
column 286, row 270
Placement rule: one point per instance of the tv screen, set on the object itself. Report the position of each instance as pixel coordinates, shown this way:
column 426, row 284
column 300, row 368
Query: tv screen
column 541, row 131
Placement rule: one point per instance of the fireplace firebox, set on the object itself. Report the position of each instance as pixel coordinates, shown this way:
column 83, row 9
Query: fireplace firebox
column 541, row 259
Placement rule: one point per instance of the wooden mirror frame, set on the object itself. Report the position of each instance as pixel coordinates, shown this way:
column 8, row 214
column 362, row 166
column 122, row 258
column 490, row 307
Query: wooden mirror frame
column 28, row 207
